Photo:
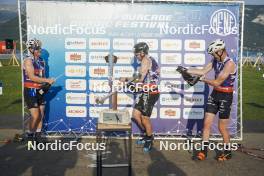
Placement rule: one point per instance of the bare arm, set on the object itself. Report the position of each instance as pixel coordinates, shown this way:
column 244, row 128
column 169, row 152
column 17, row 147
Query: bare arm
column 143, row 72
column 30, row 72
column 200, row 72
column 228, row 69
column 144, row 69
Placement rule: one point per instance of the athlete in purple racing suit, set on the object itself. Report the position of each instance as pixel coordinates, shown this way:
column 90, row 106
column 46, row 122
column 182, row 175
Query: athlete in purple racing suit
column 220, row 100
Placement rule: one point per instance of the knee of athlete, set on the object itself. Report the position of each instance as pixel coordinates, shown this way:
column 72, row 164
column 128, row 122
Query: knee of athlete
column 222, row 127
column 135, row 116
column 145, row 120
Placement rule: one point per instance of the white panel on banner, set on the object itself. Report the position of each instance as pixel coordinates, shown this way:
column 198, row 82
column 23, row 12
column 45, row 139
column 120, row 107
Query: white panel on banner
column 125, row 99
column 94, row 96
column 194, row 59
column 194, row 45
column 75, row 43
column 171, row 58
column 124, row 57
column 193, row 113
column 171, row 45
column 96, row 85
column 75, row 70
column 76, row 111
column 170, row 113
column 123, row 71
column 75, row 57
column 170, row 99
column 198, row 87
column 95, row 111
column 123, row 43
column 193, row 99
column 76, row 98
column 98, row 71
column 99, row 43
column 170, row 85
column 97, row 57
column 169, row 72
column 75, row 84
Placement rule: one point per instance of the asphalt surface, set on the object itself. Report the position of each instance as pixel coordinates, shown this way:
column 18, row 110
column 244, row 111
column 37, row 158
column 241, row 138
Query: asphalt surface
column 15, row 159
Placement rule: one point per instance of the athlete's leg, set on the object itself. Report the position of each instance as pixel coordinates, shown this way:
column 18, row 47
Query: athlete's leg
column 149, row 137
column 222, row 125
column 147, row 124
column 137, row 117
column 42, row 113
column 208, row 120
column 35, row 117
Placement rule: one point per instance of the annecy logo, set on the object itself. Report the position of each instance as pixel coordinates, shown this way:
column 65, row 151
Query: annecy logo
column 223, row 22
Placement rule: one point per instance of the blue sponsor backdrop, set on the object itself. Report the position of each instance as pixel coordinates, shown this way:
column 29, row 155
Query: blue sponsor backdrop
column 178, row 34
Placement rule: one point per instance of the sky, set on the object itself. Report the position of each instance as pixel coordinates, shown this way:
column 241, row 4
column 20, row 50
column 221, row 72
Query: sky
column 248, row 2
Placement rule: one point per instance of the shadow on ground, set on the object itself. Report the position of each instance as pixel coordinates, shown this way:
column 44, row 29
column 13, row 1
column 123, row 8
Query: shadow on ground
column 15, row 159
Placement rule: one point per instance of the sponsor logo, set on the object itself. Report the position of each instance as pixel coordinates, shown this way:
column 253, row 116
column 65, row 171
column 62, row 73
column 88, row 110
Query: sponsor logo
column 95, row 111
column 152, row 43
column 75, row 71
column 94, row 96
column 123, row 44
column 169, row 72
column 194, row 45
column 194, row 58
column 170, row 99
column 129, row 109
column 170, row 113
column 98, row 71
column 194, row 100
column 76, row 98
column 76, row 111
column 198, row 87
column 75, row 43
column 125, row 99
column 170, row 86
column 97, row 57
column 171, row 45
column 75, row 57
column 223, row 22
column 123, row 71
column 171, row 58
column 124, row 58
column 99, row 43
column 193, row 113
column 99, row 85
column 75, row 84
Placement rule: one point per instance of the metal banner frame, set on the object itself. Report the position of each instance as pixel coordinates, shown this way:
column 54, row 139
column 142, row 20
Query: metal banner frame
column 22, row 14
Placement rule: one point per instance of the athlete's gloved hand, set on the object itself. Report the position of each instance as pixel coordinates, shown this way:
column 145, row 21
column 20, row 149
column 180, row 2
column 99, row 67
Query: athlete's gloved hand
column 190, row 79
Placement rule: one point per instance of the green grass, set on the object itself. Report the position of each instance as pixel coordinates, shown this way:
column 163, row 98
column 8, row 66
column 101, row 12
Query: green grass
column 11, row 99
column 253, row 91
